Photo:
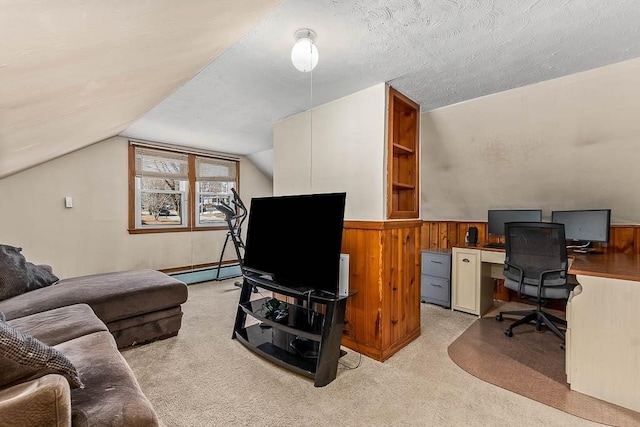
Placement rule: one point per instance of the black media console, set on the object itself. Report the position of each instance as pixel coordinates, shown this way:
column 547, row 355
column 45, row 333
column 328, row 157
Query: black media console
column 306, row 341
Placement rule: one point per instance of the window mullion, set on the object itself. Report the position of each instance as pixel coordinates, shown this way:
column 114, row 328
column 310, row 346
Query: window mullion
column 192, row 192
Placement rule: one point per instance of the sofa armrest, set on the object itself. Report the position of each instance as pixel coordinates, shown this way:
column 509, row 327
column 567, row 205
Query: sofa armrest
column 45, row 401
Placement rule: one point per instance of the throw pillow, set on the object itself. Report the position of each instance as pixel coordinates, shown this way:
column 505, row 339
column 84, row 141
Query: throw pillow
column 32, row 358
column 18, row 276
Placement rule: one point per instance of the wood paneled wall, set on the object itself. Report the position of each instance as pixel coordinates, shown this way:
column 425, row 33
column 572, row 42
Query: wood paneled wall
column 383, row 314
column 447, row 234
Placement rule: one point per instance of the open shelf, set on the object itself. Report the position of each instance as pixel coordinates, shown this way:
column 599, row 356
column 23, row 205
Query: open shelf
column 401, row 150
column 403, row 157
column 321, row 296
column 401, row 186
column 269, row 343
column 300, row 321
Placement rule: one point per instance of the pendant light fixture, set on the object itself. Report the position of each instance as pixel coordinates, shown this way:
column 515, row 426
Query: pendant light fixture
column 304, row 53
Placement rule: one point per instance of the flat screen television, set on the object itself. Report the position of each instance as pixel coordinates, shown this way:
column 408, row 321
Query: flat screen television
column 584, row 225
column 296, row 240
column 497, row 218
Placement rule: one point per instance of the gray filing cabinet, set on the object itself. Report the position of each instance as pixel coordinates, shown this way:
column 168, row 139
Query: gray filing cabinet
column 435, row 281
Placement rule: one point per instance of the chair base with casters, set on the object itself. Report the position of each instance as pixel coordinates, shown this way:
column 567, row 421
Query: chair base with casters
column 538, row 316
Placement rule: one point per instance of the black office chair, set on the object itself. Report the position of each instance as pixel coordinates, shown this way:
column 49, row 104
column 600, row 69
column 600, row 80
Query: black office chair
column 536, row 267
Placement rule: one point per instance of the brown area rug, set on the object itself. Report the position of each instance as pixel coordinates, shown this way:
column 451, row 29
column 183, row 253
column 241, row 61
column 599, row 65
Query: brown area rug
column 531, row 364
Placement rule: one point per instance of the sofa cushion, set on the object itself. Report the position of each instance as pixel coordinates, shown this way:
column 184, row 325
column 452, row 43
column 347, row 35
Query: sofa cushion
column 112, row 395
column 58, row 325
column 112, row 296
column 25, row 356
column 18, row 276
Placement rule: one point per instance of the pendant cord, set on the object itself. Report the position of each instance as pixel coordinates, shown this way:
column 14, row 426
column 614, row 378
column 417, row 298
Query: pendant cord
column 311, row 121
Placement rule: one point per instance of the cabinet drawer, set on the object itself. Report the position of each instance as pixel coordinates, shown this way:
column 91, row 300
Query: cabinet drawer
column 493, row 257
column 436, row 264
column 466, row 280
column 435, row 288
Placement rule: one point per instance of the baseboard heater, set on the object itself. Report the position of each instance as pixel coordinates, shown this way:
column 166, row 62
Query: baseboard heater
column 208, row 274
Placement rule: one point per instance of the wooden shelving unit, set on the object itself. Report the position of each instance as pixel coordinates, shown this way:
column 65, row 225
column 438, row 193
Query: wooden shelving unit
column 403, row 195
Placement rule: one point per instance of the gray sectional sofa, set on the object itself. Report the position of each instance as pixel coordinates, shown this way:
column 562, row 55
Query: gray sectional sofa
column 88, row 319
column 138, row 306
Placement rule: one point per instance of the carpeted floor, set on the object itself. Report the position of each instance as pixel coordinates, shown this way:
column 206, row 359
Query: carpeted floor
column 204, row 378
column 531, row 364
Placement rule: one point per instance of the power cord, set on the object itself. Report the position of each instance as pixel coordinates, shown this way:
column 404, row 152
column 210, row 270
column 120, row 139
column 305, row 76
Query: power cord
column 309, row 311
column 352, row 331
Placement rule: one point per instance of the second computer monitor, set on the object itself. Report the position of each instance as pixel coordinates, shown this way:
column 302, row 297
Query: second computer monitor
column 584, row 225
column 498, row 217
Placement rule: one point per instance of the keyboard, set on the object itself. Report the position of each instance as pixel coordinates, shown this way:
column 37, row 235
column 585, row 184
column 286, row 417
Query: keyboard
column 495, row 245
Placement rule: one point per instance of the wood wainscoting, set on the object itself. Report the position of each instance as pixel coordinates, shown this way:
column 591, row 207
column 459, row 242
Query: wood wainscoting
column 447, row 234
column 383, row 314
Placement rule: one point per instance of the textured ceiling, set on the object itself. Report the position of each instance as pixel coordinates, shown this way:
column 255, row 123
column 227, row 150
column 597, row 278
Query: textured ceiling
column 437, row 52
column 73, row 73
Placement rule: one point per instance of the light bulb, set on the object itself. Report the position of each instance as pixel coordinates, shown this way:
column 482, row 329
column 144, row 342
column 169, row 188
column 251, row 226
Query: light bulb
column 304, row 54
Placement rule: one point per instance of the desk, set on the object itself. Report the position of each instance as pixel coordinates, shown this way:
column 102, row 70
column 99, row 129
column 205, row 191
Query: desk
column 603, row 317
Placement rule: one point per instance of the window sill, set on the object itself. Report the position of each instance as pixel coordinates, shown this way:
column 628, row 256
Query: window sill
column 174, row 230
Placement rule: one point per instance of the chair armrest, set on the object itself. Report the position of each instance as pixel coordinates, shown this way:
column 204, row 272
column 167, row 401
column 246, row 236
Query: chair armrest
column 45, row 401
column 562, row 271
column 520, row 279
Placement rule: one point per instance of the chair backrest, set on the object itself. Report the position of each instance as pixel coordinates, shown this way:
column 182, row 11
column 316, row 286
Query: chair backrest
column 535, row 247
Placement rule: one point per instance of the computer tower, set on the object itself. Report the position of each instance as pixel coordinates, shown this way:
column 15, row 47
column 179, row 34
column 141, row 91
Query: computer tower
column 343, row 280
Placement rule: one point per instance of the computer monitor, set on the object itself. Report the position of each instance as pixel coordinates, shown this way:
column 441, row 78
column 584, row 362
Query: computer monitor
column 498, row 217
column 584, row 225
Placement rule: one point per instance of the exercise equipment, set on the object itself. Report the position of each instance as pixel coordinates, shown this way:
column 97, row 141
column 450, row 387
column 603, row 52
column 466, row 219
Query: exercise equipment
column 235, row 214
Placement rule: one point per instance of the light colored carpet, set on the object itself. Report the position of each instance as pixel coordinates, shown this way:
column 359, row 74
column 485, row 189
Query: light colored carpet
column 204, row 378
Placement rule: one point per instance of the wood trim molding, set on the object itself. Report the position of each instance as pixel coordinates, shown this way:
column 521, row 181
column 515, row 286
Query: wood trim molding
column 191, row 201
column 382, row 225
column 197, row 266
column 132, row 191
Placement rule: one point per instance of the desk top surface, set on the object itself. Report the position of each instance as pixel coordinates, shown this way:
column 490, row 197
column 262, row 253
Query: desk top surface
column 611, row 265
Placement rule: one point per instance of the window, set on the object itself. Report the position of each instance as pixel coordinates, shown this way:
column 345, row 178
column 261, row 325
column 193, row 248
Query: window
column 173, row 191
column 214, row 180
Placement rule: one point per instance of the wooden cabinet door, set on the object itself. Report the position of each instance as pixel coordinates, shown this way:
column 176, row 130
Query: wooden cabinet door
column 465, row 280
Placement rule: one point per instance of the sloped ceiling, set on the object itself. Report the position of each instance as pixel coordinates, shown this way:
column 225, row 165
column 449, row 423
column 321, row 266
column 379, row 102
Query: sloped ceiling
column 76, row 72
column 438, row 52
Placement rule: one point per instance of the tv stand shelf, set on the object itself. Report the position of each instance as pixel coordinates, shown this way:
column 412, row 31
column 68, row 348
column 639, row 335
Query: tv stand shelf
column 297, row 322
column 307, row 341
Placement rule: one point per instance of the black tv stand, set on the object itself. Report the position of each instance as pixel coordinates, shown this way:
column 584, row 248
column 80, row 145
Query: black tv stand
column 306, row 342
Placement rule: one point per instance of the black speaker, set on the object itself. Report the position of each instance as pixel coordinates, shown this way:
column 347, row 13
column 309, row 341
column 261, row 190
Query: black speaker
column 472, row 236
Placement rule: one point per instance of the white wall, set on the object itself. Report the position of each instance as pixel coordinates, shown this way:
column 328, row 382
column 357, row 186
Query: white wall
column 568, row 143
column 347, row 152
column 92, row 236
